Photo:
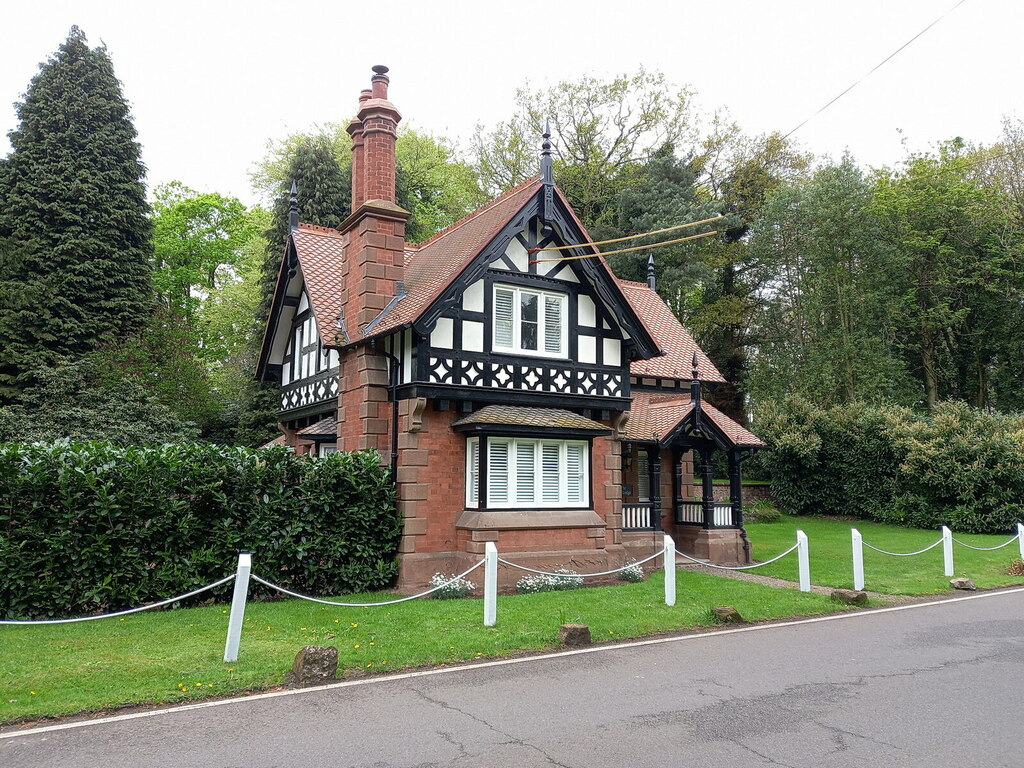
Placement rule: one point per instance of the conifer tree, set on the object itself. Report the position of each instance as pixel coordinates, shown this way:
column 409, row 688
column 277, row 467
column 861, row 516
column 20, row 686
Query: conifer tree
column 324, row 198
column 77, row 267
column 324, row 195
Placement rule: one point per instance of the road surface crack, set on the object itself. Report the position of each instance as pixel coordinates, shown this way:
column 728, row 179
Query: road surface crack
column 510, row 739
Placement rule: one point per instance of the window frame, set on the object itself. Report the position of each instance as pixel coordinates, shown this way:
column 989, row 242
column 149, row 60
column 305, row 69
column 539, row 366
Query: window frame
column 480, row 473
column 516, row 347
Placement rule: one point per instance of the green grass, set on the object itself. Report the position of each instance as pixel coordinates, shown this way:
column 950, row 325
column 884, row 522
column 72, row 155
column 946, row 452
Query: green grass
column 174, row 656
column 831, row 555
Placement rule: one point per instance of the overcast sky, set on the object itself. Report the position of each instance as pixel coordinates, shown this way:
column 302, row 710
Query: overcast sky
column 210, row 82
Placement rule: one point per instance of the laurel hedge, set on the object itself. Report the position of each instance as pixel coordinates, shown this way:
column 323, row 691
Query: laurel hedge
column 93, row 527
column 958, row 466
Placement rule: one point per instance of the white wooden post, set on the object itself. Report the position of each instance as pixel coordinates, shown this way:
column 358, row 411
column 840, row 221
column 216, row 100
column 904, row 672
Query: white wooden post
column 490, row 584
column 947, row 550
column 238, row 599
column 669, row 556
column 858, row 559
column 803, row 563
column 1020, row 539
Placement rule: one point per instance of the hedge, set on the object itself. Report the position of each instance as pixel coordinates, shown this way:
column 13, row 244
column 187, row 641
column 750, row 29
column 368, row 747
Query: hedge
column 958, row 466
column 92, row 527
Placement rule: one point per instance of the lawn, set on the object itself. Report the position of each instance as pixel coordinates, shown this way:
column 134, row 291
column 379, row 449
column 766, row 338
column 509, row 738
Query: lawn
column 831, row 555
column 176, row 655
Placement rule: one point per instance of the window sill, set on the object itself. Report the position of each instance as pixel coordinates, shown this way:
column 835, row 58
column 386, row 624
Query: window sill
column 510, row 520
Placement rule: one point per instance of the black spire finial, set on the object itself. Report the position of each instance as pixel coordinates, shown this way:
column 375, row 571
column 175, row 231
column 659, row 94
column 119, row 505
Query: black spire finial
column 293, row 208
column 651, row 282
column 546, row 165
column 695, row 386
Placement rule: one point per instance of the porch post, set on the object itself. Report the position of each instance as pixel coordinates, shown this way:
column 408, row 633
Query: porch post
column 677, row 483
column 736, row 497
column 654, row 464
column 707, row 486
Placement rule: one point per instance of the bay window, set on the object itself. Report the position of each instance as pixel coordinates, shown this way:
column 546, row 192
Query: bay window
column 525, row 473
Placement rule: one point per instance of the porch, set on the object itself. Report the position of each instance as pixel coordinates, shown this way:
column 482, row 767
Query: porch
column 669, row 446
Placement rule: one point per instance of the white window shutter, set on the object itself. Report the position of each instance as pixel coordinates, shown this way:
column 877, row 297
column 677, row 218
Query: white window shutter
column 525, row 461
column 504, row 321
column 553, row 324
column 473, row 472
column 551, row 485
column 497, row 472
column 575, row 471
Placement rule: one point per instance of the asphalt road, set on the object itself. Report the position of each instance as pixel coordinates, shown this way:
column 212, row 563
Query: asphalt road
column 938, row 686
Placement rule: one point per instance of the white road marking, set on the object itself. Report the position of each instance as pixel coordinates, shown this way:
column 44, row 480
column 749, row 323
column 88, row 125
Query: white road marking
column 497, row 663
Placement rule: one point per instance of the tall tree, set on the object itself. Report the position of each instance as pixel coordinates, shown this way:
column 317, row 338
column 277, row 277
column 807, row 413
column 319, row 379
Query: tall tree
column 825, row 320
column 603, row 132
column 77, row 270
column 204, row 244
column 667, row 192
column 740, row 172
column 957, row 278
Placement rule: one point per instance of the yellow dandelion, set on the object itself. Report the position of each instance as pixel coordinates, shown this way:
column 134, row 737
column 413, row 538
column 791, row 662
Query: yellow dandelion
column 369, row 665
column 356, row 645
column 32, row 692
column 184, row 690
column 337, row 621
column 372, row 643
column 355, row 624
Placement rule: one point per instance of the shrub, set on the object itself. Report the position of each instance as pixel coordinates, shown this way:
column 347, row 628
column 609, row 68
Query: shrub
column 450, row 587
column 763, row 511
column 1016, row 567
column 92, row 527
column 633, row 572
column 958, row 466
column 563, row 578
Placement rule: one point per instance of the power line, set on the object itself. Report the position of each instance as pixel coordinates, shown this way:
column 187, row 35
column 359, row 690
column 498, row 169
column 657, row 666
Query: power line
column 873, row 70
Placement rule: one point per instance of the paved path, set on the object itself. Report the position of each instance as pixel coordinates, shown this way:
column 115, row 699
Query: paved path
column 935, row 685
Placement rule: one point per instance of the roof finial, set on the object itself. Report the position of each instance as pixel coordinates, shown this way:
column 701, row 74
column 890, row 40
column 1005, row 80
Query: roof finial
column 651, row 282
column 695, row 386
column 293, row 208
column 546, row 165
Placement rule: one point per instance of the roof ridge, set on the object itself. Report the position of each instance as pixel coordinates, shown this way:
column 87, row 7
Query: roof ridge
column 632, row 283
column 318, row 229
column 480, row 211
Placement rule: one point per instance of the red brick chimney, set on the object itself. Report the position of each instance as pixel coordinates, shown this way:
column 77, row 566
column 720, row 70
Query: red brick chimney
column 374, row 242
column 375, row 232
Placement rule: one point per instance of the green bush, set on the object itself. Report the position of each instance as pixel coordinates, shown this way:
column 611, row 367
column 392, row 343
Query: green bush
column 87, row 527
column 958, row 466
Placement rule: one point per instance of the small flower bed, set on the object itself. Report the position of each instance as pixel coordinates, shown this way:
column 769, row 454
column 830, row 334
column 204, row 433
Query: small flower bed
column 633, row 572
column 451, row 587
column 562, row 578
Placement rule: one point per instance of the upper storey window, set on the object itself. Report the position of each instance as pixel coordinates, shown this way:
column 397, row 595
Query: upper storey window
column 529, row 321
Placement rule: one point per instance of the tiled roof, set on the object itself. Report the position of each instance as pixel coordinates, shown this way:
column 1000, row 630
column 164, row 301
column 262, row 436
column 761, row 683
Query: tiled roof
column 279, row 440
column 652, row 416
column 435, row 262
column 326, row 427
column 672, row 339
column 321, row 256
column 551, row 418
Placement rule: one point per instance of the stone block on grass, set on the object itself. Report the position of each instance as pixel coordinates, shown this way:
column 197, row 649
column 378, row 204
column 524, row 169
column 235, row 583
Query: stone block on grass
column 850, row 596
column 315, row 664
column 726, row 614
column 574, row 635
column 962, row 583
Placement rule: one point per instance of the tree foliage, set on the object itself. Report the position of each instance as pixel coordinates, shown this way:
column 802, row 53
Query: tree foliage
column 603, row 132
column 826, row 323
column 76, row 265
